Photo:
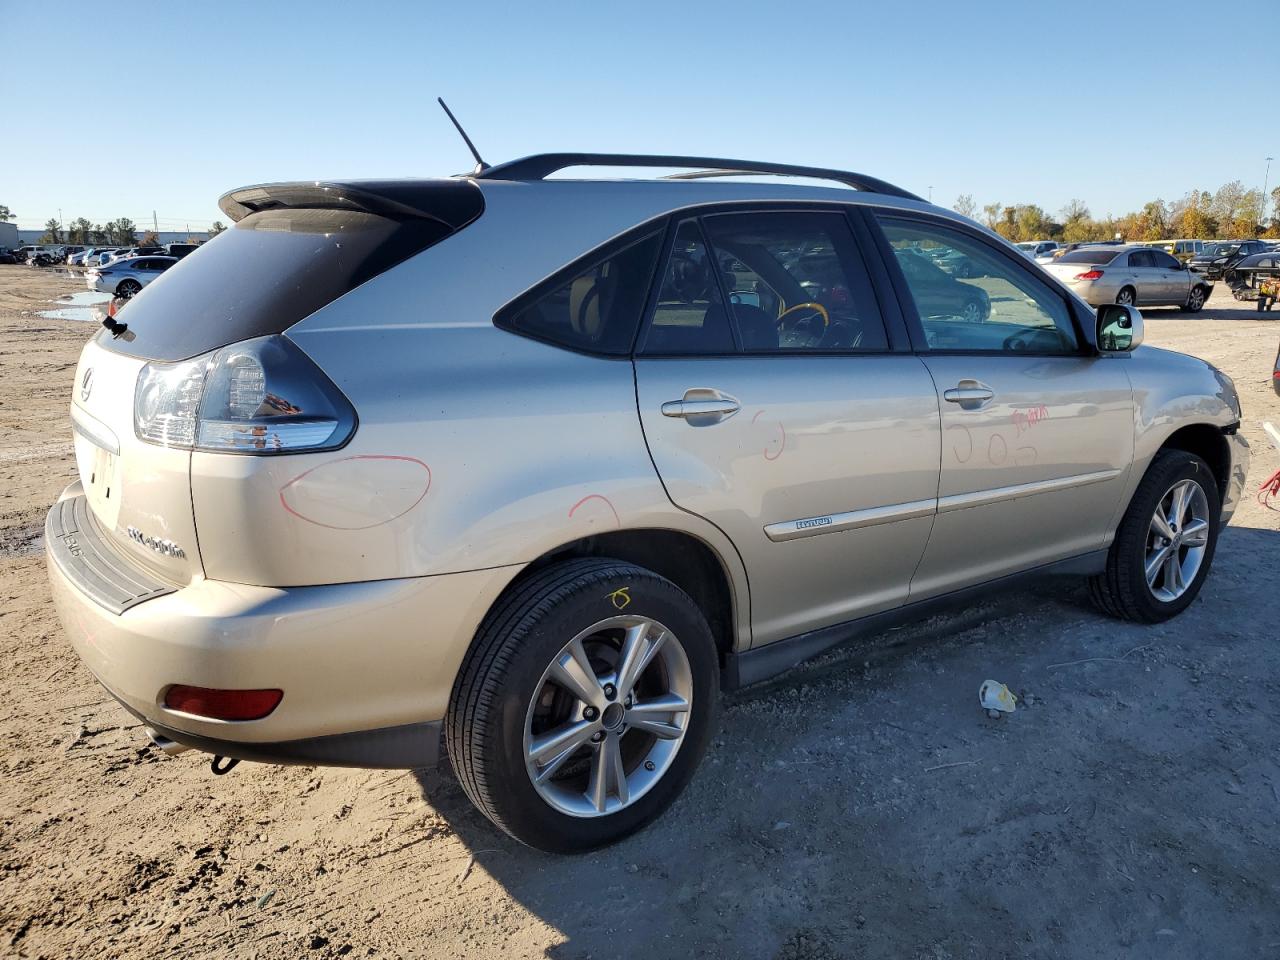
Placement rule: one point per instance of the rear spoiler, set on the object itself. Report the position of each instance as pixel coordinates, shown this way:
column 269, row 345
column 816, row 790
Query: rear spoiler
column 454, row 203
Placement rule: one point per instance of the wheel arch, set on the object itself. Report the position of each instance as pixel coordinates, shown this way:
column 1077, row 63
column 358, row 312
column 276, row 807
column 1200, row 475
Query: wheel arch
column 1207, row 442
column 681, row 557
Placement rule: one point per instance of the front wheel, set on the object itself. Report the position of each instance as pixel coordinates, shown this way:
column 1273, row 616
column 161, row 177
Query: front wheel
column 1195, row 302
column 1164, row 546
column 584, row 705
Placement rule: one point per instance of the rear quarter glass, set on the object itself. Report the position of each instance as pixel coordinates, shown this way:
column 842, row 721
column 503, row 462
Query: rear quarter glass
column 263, row 275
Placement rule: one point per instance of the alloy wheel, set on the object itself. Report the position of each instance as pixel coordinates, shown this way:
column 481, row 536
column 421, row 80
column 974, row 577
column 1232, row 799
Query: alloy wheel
column 608, row 716
column 1177, row 540
column 1125, row 298
column 1197, row 299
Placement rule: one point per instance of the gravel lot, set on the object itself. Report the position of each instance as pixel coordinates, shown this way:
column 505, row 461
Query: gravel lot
column 862, row 806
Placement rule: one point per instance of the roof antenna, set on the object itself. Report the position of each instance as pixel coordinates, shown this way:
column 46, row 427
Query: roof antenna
column 481, row 166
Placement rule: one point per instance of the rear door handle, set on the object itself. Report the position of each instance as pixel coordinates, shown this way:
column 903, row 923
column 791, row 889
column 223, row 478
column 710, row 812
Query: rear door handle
column 970, row 394
column 701, row 406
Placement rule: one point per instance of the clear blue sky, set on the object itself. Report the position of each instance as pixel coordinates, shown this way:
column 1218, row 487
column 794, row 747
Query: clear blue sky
column 1016, row 102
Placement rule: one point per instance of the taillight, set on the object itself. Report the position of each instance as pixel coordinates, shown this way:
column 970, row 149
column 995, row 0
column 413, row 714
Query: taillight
column 263, row 396
column 1090, row 275
column 222, row 704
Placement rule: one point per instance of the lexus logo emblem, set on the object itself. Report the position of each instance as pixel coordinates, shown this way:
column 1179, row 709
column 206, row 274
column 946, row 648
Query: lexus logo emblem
column 86, row 384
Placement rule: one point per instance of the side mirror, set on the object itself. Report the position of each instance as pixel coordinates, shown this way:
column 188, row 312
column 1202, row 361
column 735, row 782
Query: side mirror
column 1119, row 328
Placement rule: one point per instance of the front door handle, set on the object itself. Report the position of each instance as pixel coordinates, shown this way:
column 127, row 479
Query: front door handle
column 970, row 394
column 701, row 406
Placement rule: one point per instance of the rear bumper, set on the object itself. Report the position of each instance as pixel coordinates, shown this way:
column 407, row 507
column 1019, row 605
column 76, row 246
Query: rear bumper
column 1094, row 292
column 366, row 668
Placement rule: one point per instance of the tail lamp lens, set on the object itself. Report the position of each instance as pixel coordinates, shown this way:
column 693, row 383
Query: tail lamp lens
column 222, row 704
column 263, row 396
column 1090, row 275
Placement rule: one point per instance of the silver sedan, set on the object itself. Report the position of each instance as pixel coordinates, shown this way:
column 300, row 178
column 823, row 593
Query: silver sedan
column 1138, row 276
column 124, row 278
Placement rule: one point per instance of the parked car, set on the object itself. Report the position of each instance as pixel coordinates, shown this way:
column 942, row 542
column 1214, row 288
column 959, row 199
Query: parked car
column 952, row 262
column 7, row 256
column 1216, row 258
column 1131, row 275
column 1244, row 274
column 31, row 252
column 98, row 256
column 70, row 251
column 938, row 293
column 44, row 256
column 450, row 461
column 1182, row 250
column 1081, row 244
column 1035, row 249
column 126, row 277
column 180, row 250
column 87, row 255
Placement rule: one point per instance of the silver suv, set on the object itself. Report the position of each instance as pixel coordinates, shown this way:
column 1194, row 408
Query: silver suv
column 537, row 467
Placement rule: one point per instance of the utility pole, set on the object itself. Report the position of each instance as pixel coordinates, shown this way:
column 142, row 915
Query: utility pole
column 1266, row 177
column 155, row 225
column 931, row 193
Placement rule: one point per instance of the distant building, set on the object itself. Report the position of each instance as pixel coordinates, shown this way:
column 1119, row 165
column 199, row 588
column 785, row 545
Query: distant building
column 9, row 235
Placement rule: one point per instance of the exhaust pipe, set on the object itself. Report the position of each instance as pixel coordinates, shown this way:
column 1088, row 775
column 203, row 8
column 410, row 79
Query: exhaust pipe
column 170, row 748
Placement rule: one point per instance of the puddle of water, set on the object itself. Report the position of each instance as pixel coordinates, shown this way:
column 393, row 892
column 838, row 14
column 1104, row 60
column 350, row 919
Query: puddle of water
column 84, row 314
column 79, row 306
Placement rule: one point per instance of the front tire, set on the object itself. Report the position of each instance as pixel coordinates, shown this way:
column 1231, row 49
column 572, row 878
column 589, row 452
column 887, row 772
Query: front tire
column 1195, row 302
column 584, row 705
column 1164, row 546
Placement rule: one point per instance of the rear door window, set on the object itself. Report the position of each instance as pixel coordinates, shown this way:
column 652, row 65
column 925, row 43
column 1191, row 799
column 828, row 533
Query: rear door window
column 795, row 281
column 689, row 317
column 1141, row 259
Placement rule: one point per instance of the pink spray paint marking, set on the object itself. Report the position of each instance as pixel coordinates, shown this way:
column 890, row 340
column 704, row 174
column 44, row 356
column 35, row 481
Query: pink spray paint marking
column 595, row 496
column 1024, row 420
column 782, row 438
column 329, row 526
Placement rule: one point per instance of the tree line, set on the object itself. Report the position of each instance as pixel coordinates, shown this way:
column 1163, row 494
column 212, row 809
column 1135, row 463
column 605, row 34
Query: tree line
column 1231, row 212
column 122, row 232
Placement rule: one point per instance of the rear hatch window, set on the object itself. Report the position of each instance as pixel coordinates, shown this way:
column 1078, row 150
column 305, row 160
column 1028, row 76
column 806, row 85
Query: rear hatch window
column 1089, row 256
column 270, row 270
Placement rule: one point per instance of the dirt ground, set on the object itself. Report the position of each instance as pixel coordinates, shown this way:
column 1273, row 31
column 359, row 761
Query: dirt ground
column 862, row 806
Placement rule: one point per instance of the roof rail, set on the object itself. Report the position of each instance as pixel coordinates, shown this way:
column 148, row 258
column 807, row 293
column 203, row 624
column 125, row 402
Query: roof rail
column 541, row 165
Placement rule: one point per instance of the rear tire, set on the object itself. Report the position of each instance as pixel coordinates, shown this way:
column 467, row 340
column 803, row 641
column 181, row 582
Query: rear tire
column 1126, row 590
column 1127, row 296
column 516, row 689
column 128, row 289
